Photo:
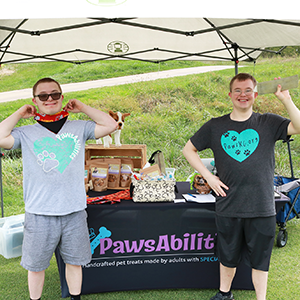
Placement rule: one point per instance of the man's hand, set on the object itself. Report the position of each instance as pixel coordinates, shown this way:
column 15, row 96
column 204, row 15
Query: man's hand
column 293, row 111
column 27, row 111
column 282, row 95
column 217, row 185
column 74, row 106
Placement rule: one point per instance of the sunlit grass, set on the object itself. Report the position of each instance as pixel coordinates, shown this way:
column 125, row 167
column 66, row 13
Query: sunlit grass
column 164, row 115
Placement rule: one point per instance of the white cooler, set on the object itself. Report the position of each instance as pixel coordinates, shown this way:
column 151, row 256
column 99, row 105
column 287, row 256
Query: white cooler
column 11, row 236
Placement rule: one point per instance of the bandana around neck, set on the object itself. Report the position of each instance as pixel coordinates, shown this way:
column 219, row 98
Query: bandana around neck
column 51, row 118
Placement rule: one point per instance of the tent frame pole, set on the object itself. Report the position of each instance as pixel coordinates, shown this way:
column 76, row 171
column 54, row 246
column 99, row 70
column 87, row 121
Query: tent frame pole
column 1, row 187
column 236, row 59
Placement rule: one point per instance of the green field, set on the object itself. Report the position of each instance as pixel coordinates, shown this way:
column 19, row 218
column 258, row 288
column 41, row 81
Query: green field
column 164, row 115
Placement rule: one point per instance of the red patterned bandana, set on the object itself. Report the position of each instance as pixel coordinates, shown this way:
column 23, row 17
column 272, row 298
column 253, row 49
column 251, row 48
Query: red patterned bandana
column 51, row 118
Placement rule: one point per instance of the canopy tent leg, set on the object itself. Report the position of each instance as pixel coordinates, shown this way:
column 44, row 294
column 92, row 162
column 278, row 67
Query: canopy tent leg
column 236, row 63
column 290, row 156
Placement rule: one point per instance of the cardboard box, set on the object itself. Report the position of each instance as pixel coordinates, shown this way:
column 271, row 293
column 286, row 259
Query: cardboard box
column 11, row 236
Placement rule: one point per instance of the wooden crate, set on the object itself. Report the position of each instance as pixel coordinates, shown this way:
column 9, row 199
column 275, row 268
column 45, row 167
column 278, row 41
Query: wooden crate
column 137, row 153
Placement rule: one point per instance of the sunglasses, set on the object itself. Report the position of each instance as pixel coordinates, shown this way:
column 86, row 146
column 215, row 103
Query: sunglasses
column 45, row 97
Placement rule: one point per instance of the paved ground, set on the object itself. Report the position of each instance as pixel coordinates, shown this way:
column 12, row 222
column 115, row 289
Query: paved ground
column 73, row 87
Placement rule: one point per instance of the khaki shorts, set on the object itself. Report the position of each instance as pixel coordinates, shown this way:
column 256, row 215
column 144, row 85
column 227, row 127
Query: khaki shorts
column 256, row 235
column 43, row 234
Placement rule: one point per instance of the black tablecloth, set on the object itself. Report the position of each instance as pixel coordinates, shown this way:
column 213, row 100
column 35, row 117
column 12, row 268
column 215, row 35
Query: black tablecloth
column 152, row 246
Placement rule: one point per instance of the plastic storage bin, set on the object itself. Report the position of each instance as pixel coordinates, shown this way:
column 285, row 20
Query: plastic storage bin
column 11, row 236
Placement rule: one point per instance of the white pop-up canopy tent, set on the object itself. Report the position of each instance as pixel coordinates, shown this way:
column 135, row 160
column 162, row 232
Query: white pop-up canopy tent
column 80, row 31
column 80, row 40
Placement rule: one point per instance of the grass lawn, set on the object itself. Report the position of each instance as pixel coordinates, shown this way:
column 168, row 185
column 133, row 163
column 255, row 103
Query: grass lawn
column 167, row 112
column 284, row 279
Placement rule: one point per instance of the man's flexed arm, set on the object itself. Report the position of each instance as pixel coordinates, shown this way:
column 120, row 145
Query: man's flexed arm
column 105, row 123
column 7, row 125
column 293, row 111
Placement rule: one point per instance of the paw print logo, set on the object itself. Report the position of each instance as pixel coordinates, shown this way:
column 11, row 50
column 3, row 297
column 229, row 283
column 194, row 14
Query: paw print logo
column 247, row 152
column 226, row 134
column 237, row 152
column 234, row 138
column 47, row 161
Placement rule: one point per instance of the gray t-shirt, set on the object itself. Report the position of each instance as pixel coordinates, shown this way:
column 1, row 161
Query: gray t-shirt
column 53, row 166
column 244, row 158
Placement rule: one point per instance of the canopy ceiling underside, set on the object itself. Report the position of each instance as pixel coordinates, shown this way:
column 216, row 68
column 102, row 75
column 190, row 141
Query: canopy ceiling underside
column 147, row 39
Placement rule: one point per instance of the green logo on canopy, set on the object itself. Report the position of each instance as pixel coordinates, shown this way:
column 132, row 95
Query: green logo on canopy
column 117, row 47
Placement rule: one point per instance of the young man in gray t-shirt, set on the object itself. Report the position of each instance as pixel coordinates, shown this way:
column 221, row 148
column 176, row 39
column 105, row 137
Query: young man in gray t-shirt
column 53, row 169
column 243, row 145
